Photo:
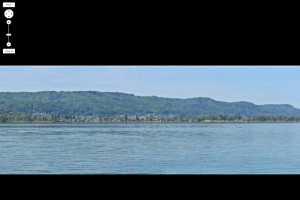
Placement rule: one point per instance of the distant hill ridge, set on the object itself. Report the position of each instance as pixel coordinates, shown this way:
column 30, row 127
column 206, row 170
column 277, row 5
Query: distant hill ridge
column 115, row 103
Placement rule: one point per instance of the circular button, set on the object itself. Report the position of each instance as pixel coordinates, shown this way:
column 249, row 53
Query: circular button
column 8, row 13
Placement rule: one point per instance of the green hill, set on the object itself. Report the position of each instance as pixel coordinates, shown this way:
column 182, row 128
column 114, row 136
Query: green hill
column 113, row 103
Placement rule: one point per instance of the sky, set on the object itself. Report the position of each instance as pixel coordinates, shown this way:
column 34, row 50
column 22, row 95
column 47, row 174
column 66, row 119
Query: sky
column 257, row 84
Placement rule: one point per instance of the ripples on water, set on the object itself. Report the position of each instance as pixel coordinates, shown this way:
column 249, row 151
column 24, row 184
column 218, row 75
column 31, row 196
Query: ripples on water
column 213, row 148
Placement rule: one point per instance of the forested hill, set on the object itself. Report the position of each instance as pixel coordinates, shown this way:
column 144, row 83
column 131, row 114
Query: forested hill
column 113, row 103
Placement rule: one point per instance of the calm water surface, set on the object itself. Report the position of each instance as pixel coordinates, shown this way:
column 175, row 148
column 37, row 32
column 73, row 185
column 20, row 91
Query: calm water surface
column 154, row 148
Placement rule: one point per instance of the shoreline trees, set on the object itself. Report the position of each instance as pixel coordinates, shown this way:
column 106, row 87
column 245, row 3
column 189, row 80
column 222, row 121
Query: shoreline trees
column 12, row 116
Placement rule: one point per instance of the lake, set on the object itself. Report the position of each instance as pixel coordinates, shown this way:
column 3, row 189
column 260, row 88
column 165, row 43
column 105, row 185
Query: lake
column 150, row 148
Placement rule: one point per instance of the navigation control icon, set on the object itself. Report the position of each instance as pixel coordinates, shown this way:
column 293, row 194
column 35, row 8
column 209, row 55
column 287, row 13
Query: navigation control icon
column 9, row 14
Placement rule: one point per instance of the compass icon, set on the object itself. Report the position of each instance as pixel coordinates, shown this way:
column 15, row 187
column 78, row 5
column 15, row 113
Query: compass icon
column 8, row 13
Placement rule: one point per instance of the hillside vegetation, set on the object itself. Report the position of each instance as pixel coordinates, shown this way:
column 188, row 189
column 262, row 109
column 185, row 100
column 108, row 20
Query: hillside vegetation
column 88, row 103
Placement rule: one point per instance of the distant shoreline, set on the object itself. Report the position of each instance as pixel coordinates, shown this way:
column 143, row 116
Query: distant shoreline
column 110, row 104
column 155, row 122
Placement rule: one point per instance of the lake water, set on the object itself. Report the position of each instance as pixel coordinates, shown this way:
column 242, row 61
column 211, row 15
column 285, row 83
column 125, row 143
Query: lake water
column 150, row 148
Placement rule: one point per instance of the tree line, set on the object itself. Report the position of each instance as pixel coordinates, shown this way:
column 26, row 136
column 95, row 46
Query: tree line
column 92, row 103
column 13, row 116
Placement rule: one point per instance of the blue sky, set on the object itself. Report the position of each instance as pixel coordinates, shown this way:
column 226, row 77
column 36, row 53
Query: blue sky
column 257, row 84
